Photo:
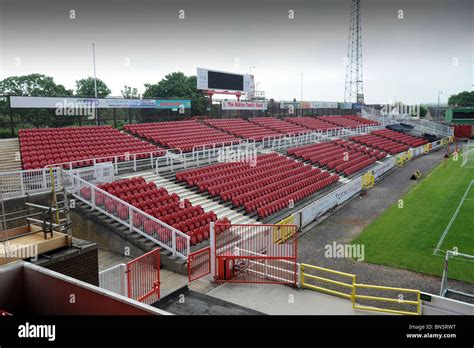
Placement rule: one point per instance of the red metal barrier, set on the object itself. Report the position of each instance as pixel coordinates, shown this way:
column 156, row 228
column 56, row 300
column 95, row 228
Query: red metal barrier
column 199, row 264
column 256, row 253
column 143, row 277
column 462, row 131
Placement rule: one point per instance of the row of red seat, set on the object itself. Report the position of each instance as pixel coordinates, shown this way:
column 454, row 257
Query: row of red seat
column 240, row 196
column 298, row 195
column 362, row 120
column 236, row 187
column 280, row 126
column 312, row 123
column 183, row 135
column 272, row 178
column 350, row 121
column 209, row 176
column 158, row 203
column 390, row 146
column 46, row 146
column 342, row 156
column 403, row 138
column 243, row 129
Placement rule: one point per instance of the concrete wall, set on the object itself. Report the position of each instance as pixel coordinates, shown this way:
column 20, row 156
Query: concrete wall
column 437, row 305
column 108, row 234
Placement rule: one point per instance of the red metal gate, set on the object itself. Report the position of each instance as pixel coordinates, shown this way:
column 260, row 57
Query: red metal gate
column 199, row 264
column 143, row 277
column 256, row 253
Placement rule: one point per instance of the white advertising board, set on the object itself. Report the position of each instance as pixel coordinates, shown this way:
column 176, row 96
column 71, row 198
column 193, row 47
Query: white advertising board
column 383, row 167
column 244, row 105
column 99, row 103
column 333, row 199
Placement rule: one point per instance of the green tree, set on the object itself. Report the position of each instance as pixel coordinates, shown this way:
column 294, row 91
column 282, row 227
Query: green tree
column 178, row 85
column 130, row 93
column 34, row 85
column 465, row 98
column 423, row 111
column 85, row 88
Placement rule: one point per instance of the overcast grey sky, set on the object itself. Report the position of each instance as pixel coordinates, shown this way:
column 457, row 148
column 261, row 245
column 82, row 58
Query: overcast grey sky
column 140, row 41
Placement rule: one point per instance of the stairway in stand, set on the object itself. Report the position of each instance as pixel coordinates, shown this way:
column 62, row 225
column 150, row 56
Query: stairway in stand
column 9, row 155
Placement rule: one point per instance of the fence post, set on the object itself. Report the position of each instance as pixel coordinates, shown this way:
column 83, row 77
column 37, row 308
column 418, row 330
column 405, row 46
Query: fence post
column 212, row 249
column 45, row 184
column 173, row 242
column 93, row 197
column 130, row 218
column 301, row 275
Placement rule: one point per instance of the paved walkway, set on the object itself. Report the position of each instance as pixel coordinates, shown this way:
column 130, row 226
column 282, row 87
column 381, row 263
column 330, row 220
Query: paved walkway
column 284, row 300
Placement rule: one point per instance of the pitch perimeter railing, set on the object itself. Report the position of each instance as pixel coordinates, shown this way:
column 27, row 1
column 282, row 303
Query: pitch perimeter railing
column 345, row 285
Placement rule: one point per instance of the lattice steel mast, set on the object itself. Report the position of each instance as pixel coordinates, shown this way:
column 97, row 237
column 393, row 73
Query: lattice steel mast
column 354, row 90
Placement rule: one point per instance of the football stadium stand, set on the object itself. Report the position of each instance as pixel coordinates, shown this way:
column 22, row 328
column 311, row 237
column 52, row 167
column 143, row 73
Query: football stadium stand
column 80, row 145
column 243, row 129
column 183, row 135
column 267, row 187
column 157, row 202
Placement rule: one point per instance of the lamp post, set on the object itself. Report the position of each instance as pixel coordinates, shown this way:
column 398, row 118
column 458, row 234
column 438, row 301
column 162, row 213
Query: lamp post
column 301, row 87
column 95, row 76
column 437, row 110
column 95, row 84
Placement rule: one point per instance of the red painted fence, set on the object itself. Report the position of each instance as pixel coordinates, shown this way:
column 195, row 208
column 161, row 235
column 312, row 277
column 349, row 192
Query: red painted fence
column 199, row 264
column 256, row 254
column 143, row 277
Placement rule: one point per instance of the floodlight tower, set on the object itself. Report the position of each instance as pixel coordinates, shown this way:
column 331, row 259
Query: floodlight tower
column 354, row 90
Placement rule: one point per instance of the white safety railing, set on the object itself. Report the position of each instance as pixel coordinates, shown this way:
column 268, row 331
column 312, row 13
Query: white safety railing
column 131, row 161
column 205, row 154
column 115, row 279
column 20, row 183
column 420, row 125
column 135, row 219
column 101, row 172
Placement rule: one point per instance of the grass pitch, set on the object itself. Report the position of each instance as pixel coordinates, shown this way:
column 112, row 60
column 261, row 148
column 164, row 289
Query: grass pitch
column 433, row 219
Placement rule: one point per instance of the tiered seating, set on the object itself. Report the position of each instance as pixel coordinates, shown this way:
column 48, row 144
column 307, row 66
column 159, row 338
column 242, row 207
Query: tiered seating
column 266, row 188
column 401, row 137
column 312, row 123
column 243, row 129
column 347, row 121
column 384, row 144
column 340, row 155
column 278, row 125
column 157, row 202
column 41, row 147
column 362, row 120
column 183, row 135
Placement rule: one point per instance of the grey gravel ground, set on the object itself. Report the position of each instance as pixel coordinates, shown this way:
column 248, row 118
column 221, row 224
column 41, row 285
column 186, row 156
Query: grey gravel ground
column 200, row 304
column 349, row 221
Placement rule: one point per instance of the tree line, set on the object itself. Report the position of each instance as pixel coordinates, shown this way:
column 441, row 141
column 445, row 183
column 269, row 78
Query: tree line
column 175, row 85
